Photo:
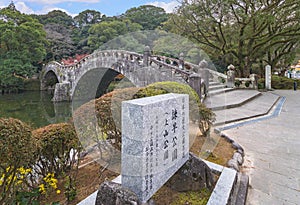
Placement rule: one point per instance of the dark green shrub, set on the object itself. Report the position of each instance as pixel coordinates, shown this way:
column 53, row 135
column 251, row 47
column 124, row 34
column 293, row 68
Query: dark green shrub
column 279, row 82
column 261, row 83
column 18, row 154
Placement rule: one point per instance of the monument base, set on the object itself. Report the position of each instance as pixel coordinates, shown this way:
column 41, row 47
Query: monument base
column 194, row 175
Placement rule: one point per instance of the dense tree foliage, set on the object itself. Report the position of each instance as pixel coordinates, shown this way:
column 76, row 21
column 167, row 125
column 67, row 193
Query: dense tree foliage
column 59, row 28
column 107, row 30
column 83, row 21
column 22, row 48
column 242, row 32
column 148, row 16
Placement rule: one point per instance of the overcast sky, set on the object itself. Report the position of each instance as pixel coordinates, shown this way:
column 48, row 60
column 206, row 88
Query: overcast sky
column 73, row 7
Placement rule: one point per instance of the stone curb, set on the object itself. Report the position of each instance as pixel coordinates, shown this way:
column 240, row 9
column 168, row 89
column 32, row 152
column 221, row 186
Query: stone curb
column 238, row 157
column 240, row 191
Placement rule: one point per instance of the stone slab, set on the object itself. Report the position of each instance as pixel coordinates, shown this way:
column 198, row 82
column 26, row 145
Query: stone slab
column 155, row 141
column 243, row 189
column 224, row 187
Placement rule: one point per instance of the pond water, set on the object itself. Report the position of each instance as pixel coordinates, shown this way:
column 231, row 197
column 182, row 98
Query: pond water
column 34, row 108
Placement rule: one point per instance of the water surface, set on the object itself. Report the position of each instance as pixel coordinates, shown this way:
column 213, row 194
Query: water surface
column 34, row 108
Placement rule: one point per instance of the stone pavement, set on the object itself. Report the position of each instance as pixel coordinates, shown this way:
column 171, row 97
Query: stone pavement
column 272, row 154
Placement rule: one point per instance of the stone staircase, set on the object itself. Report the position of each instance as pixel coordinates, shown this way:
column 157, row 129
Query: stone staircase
column 233, row 105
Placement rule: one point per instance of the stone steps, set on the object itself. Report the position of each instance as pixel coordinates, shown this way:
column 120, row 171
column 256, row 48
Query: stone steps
column 212, row 83
column 216, row 87
column 232, row 105
column 232, row 99
column 219, row 91
column 255, row 107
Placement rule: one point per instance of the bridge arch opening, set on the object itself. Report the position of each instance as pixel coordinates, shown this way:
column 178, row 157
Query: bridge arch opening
column 97, row 82
column 49, row 80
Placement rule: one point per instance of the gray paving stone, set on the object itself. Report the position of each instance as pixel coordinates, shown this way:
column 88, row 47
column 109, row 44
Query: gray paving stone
column 272, row 154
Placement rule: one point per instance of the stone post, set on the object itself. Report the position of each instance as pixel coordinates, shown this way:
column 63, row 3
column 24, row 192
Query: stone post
column 204, row 73
column 195, row 83
column 254, row 81
column 268, row 77
column 181, row 61
column 147, row 54
column 230, row 76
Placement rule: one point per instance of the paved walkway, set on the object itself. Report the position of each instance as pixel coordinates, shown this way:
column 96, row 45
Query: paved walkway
column 272, row 159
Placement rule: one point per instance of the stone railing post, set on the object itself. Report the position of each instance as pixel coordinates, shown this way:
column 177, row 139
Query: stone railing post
column 254, row 81
column 230, row 76
column 204, row 73
column 181, row 61
column 195, row 83
column 146, row 56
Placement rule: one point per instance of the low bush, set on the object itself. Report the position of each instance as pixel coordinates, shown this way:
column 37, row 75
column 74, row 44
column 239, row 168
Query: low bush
column 18, row 153
column 100, row 119
column 59, row 148
column 279, row 82
column 198, row 111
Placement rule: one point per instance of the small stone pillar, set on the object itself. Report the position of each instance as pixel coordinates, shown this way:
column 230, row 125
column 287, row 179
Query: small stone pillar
column 181, row 61
column 61, row 92
column 230, row 76
column 268, row 77
column 195, row 83
column 147, row 54
column 204, row 73
column 254, row 81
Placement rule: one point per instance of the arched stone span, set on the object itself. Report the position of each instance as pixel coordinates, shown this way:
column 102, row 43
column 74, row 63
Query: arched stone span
column 140, row 69
column 50, row 73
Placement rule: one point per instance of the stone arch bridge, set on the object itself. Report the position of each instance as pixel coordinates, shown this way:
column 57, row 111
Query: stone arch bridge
column 140, row 69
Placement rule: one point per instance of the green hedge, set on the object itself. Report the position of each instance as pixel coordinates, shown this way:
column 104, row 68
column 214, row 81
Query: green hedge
column 279, row 82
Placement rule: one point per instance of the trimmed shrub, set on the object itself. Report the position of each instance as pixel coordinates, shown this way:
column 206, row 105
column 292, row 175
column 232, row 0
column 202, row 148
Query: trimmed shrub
column 279, row 82
column 100, row 119
column 18, row 152
column 198, row 111
column 59, row 149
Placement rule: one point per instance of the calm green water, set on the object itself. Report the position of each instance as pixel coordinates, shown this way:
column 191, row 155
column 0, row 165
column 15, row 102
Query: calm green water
column 34, row 108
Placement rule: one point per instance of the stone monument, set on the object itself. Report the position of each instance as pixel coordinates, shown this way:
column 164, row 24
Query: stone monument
column 268, row 77
column 155, row 141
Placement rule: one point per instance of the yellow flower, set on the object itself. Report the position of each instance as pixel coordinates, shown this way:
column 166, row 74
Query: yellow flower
column 29, row 170
column 42, row 188
column 19, row 182
column 22, row 170
column 58, row 191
